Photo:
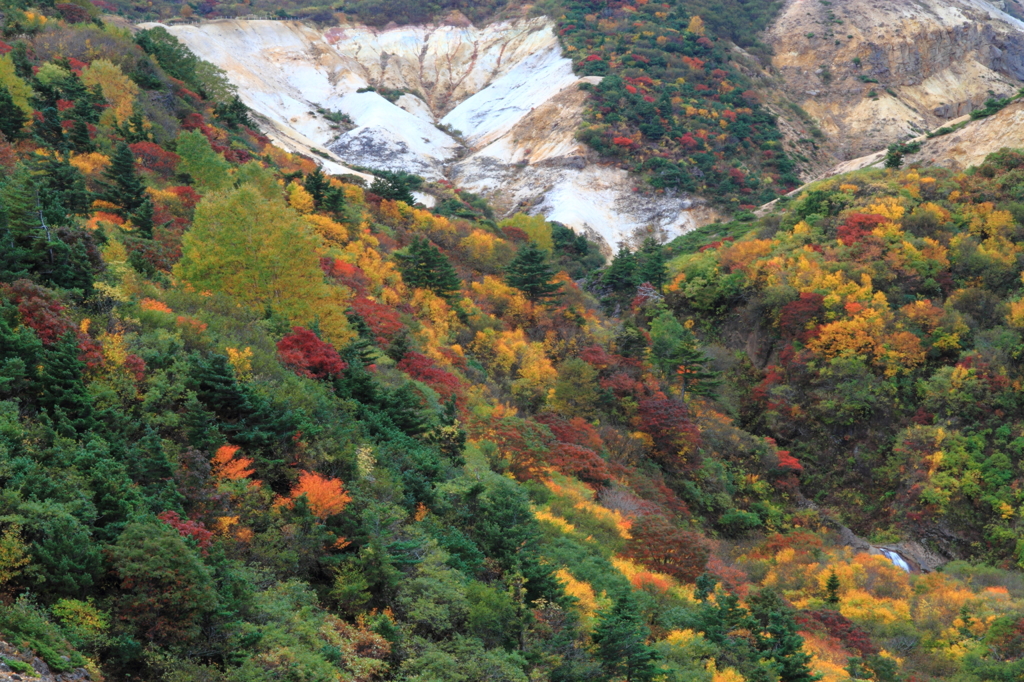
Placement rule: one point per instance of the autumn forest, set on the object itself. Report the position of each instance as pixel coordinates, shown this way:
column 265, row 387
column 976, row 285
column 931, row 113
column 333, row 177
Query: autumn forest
column 260, row 422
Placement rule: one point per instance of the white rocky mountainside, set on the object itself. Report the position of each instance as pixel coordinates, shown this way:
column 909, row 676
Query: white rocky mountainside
column 493, row 110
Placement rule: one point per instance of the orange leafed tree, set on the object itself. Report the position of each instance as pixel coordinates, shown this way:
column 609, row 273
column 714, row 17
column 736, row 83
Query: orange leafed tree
column 325, row 496
column 228, row 467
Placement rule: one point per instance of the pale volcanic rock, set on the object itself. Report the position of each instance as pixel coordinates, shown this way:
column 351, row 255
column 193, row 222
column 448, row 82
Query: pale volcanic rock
column 931, row 60
column 494, row 109
column 960, row 149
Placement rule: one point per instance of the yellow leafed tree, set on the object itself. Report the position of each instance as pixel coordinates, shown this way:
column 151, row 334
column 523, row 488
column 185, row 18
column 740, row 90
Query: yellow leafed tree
column 262, row 253
column 119, row 90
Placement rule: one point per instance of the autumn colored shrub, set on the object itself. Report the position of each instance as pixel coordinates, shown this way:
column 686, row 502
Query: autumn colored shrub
column 308, row 356
column 325, row 496
column 383, row 321
column 188, row 529
column 842, row 628
column 857, row 226
column 795, row 316
column 422, row 368
column 662, row 547
column 154, row 157
column 672, row 431
column 228, row 466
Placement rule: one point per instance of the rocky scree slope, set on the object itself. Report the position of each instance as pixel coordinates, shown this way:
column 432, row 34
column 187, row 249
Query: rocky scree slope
column 871, row 72
column 492, row 109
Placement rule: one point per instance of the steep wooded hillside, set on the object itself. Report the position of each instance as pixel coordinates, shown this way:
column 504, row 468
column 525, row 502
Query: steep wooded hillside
column 259, row 421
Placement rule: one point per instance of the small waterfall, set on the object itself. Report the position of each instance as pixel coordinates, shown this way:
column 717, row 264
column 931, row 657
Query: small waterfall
column 896, row 559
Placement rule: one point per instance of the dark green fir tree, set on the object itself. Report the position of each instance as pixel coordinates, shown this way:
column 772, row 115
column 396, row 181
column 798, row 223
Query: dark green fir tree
column 832, row 590
column 651, row 264
column 12, row 118
column 78, row 137
column 530, row 272
column 621, row 641
column 64, row 395
column 692, row 367
column 123, row 186
column 316, row 184
column 425, row 267
column 621, row 274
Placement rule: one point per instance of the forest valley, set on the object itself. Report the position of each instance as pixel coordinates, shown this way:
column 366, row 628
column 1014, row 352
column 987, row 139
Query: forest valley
column 259, row 423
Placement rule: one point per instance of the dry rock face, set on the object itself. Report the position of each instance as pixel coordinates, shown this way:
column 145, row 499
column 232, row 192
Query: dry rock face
column 493, row 109
column 872, row 72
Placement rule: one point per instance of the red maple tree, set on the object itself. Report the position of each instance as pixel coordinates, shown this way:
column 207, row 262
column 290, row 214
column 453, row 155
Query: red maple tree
column 308, row 356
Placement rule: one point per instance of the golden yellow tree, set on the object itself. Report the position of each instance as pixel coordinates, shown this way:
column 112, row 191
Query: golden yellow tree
column 262, row 253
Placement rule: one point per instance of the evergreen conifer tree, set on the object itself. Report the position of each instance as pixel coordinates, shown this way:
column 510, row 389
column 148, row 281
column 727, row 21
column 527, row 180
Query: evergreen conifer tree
column 392, row 186
column 530, row 273
column 621, row 274
column 832, row 590
column 64, row 394
column 62, row 190
column 621, row 639
column 123, row 186
column 425, row 267
column 334, row 200
column 22, row 64
column 316, row 184
column 691, row 367
column 79, row 138
column 651, row 264
column 785, row 649
column 362, row 348
column 151, row 469
column 20, row 350
column 775, row 633
column 234, row 113
column 22, row 220
column 142, row 219
column 48, row 128
column 12, row 118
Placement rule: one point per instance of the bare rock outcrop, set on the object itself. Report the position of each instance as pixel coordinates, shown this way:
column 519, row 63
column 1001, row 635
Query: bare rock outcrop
column 494, row 109
column 871, row 72
column 42, row 672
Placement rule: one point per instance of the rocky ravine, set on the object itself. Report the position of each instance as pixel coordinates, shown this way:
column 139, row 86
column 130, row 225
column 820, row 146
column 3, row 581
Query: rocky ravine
column 871, row 72
column 492, row 109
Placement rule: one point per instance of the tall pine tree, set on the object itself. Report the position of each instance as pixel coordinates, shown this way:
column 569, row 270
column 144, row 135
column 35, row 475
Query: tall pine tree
column 123, row 186
column 425, row 267
column 530, row 272
column 692, row 367
column 651, row 264
column 12, row 118
column 621, row 639
column 316, row 184
column 64, row 395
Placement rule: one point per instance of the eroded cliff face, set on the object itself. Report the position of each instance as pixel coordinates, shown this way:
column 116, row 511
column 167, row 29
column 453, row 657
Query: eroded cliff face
column 871, row 72
column 493, row 109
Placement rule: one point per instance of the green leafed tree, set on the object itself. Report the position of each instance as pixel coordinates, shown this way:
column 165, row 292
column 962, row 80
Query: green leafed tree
column 208, row 169
column 166, row 587
column 12, row 118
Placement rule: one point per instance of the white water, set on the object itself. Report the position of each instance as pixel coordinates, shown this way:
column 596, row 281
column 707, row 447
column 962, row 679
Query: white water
column 896, row 559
